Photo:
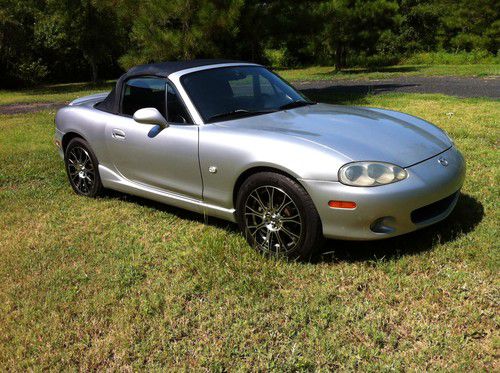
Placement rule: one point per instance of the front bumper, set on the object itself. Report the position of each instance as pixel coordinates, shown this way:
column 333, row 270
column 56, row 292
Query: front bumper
column 58, row 142
column 390, row 210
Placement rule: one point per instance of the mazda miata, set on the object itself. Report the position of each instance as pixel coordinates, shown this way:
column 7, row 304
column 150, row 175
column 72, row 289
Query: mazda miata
column 233, row 140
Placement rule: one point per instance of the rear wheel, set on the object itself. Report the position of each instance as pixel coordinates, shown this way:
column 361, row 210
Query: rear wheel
column 278, row 217
column 82, row 168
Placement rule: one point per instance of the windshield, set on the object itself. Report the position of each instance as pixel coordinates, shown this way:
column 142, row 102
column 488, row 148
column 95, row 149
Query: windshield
column 232, row 92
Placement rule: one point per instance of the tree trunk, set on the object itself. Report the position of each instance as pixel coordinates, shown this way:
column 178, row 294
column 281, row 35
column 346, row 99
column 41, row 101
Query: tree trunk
column 94, row 69
column 338, row 57
column 344, row 57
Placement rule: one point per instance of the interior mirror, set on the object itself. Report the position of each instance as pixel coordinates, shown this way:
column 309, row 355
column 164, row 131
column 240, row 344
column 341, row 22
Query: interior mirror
column 150, row 115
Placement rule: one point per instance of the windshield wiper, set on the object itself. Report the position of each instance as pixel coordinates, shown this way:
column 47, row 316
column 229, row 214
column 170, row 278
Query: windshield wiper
column 296, row 103
column 238, row 113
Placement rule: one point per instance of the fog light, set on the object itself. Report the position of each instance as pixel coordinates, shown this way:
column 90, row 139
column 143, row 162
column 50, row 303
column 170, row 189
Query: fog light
column 383, row 225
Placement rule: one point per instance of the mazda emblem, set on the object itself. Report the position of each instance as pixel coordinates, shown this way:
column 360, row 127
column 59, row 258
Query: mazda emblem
column 443, row 161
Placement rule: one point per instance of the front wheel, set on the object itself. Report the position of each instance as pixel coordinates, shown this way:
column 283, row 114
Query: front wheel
column 277, row 216
column 82, row 168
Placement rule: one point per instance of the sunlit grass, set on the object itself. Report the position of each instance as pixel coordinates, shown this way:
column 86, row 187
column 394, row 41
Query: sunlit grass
column 329, row 72
column 52, row 93
column 123, row 283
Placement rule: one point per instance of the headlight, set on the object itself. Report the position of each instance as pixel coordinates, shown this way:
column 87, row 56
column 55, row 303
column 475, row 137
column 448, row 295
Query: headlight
column 371, row 173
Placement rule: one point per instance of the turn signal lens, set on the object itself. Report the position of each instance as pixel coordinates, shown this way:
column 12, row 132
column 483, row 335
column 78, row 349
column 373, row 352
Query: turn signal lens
column 342, row 204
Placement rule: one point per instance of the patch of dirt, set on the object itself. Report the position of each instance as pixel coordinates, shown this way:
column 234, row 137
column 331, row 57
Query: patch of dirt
column 31, row 107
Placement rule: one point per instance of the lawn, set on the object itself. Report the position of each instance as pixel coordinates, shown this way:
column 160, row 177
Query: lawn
column 53, row 93
column 121, row 282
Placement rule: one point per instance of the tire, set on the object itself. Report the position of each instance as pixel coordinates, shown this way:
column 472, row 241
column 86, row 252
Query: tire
column 277, row 216
column 82, row 168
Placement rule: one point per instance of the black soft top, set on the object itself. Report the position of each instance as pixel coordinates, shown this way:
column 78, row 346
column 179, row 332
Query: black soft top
column 111, row 103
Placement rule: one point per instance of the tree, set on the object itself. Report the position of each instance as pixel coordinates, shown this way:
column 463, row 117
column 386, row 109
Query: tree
column 18, row 61
column 471, row 24
column 421, row 20
column 61, row 40
column 182, row 29
column 93, row 28
column 355, row 25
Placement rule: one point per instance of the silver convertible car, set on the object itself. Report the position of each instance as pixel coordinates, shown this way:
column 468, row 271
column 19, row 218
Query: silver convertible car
column 235, row 141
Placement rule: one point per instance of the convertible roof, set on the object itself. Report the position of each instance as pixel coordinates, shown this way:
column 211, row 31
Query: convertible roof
column 162, row 69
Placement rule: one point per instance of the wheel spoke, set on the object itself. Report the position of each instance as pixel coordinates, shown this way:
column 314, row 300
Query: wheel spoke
column 271, row 196
column 268, row 239
column 254, row 214
column 78, row 155
column 87, row 161
column 259, row 201
column 280, row 241
column 256, row 227
column 289, row 233
column 293, row 219
column 253, row 211
column 284, row 204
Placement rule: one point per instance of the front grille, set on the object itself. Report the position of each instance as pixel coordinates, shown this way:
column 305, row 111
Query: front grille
column 434, row 209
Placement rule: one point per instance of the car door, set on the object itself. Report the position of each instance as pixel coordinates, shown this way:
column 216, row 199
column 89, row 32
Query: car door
column 163, row 158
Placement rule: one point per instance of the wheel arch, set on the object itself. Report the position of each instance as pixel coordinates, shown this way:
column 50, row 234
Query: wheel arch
column 68, row 137
column 255, row 170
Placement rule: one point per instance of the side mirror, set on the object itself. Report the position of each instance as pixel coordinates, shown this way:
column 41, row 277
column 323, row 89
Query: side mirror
column 150, row 115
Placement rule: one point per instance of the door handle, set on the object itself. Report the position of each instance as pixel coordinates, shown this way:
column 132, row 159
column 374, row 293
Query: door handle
column 118, row 134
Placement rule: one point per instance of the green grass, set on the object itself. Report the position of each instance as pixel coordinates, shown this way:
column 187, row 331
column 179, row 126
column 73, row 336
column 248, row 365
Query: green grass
column 328, row 72
column 122, row 283
column 52, row 93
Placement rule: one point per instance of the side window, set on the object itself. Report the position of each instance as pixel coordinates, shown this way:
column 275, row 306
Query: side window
column 140, row 93
column 176, row 110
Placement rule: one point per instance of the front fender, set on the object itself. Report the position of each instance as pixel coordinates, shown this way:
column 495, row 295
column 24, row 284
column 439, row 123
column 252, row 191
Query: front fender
column 233, row 151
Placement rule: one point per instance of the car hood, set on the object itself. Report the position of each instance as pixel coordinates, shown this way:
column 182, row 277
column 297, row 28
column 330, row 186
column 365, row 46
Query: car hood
column 360, row 134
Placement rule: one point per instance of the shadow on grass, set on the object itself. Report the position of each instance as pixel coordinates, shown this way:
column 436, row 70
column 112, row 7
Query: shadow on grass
column 381, row 69
column 467, row 214
column 69, row 87
column 178, row 212
column 347, row 94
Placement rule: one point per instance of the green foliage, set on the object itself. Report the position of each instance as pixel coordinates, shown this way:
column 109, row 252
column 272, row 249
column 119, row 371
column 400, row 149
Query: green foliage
column 476, row 56
column 277, row 57
column 182, row 29
column 93, row 27
column 471, row 24
column 61, row 40
column 32, row 71
column 355, row 25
